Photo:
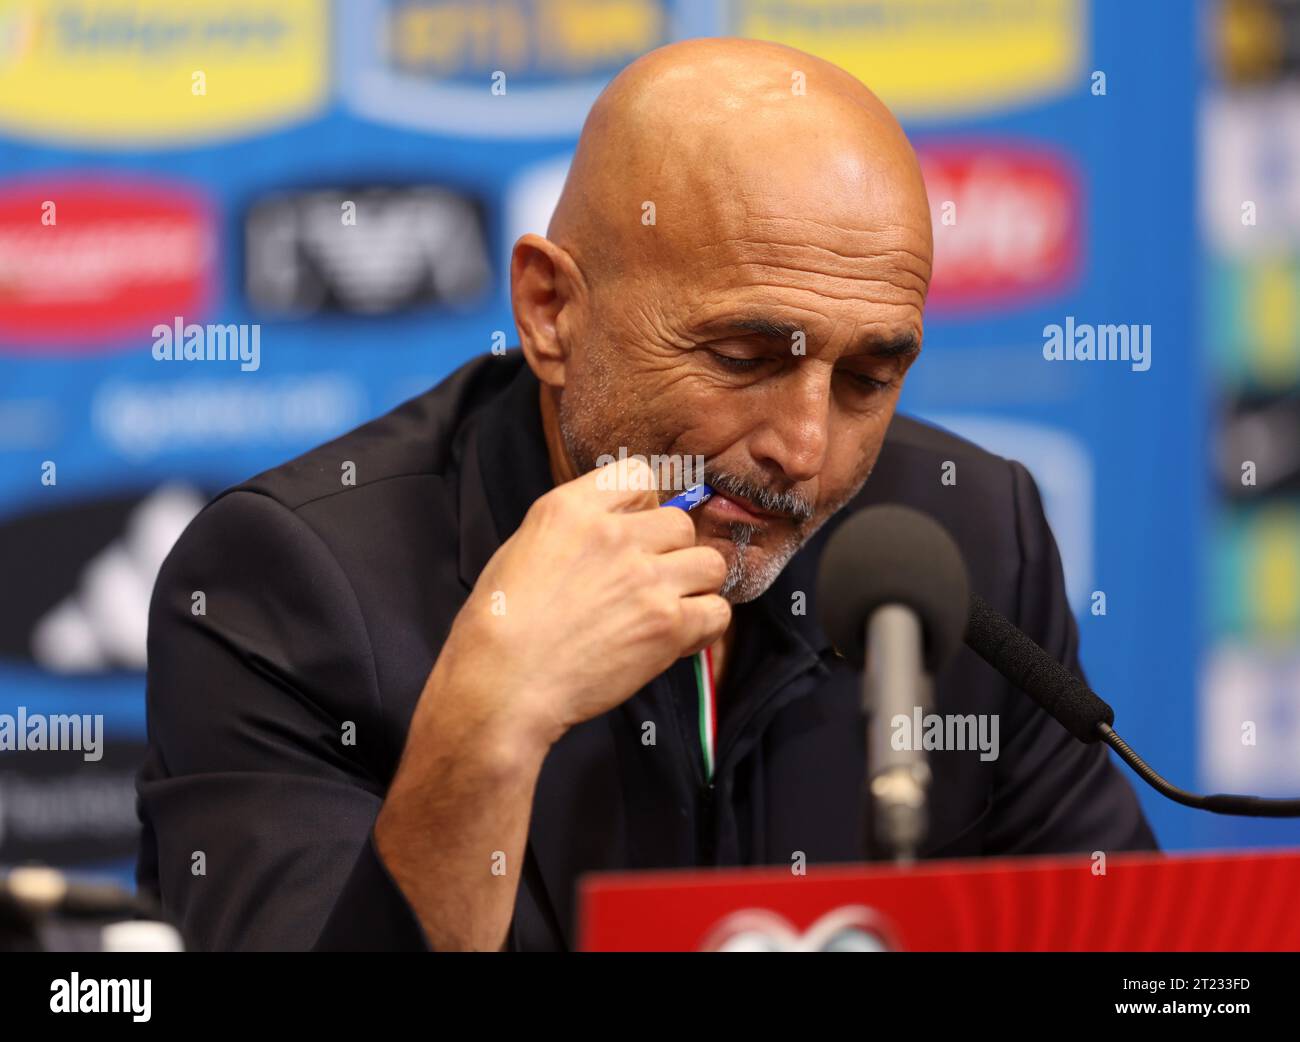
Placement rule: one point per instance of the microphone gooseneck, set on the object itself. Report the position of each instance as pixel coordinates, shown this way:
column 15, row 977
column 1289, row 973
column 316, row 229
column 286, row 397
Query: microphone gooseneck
column 1083, row 713
column 1010, row 651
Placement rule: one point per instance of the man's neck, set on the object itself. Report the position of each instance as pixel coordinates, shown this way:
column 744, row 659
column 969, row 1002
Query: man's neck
column 562, row 468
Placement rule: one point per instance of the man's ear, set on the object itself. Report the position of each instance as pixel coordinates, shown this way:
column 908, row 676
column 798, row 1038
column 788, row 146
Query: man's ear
column 545, row 287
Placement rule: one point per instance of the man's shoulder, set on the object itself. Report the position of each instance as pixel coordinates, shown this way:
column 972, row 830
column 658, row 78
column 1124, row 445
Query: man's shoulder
column 976, row 494
column 918, row 457
column 909, row 433
column 418, row 437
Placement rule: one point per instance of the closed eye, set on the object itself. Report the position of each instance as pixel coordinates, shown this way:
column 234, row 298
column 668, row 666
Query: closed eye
column 869, row 383
column 737, row 365
column 861, row 381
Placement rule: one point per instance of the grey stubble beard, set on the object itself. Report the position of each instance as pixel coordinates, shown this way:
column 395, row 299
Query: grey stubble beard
column 738, row 572
column 744, row 582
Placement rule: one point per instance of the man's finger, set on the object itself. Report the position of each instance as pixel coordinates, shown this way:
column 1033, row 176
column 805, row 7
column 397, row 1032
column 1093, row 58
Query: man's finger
column 625, row 485
column 705, row 620
column 660, row 531
column 697, row 569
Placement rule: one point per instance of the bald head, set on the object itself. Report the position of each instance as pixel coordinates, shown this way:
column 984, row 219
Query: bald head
column 736, row 269
column 719, row 134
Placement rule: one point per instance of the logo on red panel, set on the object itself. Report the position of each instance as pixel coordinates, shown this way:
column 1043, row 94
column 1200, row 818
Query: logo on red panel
column 1007, row 224
column 849, row 928
column 85, row 263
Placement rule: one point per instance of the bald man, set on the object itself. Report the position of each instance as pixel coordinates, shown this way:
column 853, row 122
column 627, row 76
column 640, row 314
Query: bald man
column 419, row 706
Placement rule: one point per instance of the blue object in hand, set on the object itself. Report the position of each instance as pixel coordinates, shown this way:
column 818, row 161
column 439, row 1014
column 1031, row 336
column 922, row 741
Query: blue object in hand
column 691, row 498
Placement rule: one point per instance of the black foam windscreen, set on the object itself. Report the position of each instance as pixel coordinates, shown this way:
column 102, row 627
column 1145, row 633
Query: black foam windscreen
column 1008, row 650
column 893, row 555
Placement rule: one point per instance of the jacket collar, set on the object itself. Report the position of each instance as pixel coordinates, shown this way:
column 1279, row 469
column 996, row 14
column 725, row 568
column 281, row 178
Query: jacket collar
column 504, row 469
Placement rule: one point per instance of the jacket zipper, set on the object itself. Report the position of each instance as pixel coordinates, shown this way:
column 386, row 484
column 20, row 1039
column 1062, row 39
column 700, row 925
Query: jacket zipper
column 707, row 789
column 708, row 824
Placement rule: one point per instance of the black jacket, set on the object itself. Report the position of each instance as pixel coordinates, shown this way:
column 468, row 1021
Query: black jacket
column 327, row 604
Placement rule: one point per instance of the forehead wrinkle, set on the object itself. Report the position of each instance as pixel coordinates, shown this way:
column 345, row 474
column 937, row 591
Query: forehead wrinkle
column 878, row 237
column 891, row 265
column 875, row 249
column 816, row 282
column 797, row 242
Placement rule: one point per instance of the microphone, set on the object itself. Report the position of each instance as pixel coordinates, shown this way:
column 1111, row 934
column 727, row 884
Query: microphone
column 1010, row 651
column 892, row 591
column 1083, row 713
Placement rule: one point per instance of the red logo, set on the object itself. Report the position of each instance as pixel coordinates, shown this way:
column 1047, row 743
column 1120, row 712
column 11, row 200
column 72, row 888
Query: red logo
column 1007, row 223
column 848, row 928
column 84, row 263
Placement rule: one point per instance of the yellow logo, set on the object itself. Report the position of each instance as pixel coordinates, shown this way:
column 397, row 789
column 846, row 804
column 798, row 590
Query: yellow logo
column 140, row 72
column 928, row 58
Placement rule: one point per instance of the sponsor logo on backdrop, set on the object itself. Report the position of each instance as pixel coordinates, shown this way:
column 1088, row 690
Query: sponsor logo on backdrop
column 928, row 58
column 1256, row 42
column 55, row 808
column 144, row 421
column 372, row 251
column 512, row 68
column 1007, row 224
column 1255, row 573
column 84, row 263
column 1257, row 450
column 1249, row 163
column 1254, row 322
column 1250, row 719
column 850, row 928
column 131, row 73
column 89, row 569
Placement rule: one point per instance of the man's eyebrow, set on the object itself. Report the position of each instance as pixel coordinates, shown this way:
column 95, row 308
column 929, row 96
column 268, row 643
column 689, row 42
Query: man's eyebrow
column 901, row 345
column 767, row 327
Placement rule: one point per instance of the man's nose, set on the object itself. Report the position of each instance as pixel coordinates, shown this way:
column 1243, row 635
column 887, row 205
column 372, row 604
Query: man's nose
column 793, row 435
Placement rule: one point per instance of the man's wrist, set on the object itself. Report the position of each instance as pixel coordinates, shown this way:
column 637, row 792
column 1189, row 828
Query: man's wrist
column 501, row 723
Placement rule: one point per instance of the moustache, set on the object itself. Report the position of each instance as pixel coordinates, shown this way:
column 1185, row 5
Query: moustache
column 788, row 504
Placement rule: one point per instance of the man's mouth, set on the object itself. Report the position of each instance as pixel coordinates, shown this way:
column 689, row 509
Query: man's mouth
column 732, row 509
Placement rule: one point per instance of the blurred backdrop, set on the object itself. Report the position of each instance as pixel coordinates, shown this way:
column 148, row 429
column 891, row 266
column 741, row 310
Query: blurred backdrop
column 342, row 182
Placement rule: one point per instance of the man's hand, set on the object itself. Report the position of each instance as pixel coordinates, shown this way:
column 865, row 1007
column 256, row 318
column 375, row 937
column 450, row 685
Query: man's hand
column 597, row 593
